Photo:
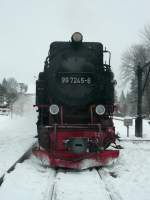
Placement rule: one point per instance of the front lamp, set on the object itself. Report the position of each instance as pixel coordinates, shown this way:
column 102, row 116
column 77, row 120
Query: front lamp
column 77, row 37
column 54, row 109
column 100, row 109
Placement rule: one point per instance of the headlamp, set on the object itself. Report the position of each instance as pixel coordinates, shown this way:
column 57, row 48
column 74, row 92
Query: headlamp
column 54, row 109
column 100, row 109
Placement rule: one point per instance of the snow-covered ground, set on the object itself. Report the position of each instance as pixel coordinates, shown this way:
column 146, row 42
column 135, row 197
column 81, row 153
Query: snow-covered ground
column 131, row 174
column 16, row 133
column 122, row 130
column 127, row 179
column 29, row 181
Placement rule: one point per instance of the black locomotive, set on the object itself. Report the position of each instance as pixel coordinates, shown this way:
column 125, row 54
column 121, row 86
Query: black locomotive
column 75, row 100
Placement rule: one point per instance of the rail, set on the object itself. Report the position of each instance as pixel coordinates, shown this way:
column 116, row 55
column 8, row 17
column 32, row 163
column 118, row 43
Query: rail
column 20, row 160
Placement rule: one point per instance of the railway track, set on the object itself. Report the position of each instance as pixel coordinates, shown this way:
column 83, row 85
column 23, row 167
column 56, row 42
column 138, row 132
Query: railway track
column 113, row 194
column 62, row 184
column 86, row 184
column 20, row 160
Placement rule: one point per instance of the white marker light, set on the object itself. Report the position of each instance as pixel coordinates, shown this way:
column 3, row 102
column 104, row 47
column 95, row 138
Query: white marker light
column 54, row 109
column 77, row 37
column 100, row 109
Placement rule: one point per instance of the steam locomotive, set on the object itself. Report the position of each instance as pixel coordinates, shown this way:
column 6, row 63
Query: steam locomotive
column 75, row 101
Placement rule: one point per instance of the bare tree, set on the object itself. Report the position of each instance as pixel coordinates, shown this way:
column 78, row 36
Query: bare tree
column 131, row 58
column 136, row 54
column 146, row 35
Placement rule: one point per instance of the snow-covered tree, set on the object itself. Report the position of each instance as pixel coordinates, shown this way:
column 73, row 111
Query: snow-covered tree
column 10, row 88
column 23, row 88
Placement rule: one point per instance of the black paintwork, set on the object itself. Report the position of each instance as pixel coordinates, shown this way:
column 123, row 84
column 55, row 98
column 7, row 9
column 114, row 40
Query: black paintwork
column 83, row 60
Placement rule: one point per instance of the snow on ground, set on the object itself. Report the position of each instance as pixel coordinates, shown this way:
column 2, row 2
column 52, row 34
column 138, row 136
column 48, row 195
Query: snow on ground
column 122, row 130
column 131, row 174
column 129, row 179
column 85, row 185
column 16, row 133
column 29, row 181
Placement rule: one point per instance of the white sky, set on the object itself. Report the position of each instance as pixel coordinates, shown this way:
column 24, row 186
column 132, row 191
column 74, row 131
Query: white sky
column 27, row 27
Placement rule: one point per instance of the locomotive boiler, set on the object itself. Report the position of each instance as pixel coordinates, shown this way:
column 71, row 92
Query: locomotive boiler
column 75, row 104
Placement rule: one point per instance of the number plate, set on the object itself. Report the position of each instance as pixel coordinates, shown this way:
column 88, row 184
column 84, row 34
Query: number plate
column 75, row 78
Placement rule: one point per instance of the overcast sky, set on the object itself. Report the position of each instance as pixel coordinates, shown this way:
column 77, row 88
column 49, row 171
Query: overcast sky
column 27, row 27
